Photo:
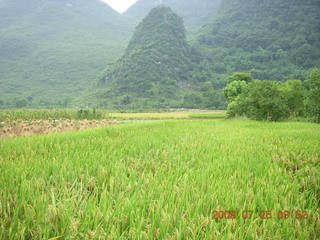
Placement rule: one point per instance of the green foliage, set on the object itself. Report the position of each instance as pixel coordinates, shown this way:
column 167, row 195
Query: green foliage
column 52, row 50
column 56, row 64
column 265, row 100
column 313, row 97
column 157, row 55
column 216, row 115
column 294, row 94
column 158, row 70
column 240, row 76
column 273, row 40
column 234, row 89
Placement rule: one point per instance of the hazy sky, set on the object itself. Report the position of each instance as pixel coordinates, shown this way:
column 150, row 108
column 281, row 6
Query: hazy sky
column 120, row 5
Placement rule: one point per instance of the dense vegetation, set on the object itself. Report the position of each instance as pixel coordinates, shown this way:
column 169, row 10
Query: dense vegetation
column 174, row 174
column 162, row 180
column 50, row 51
column 251, row 36
column 53, row 52
column 157, row 69
column 274, row 40
column 272, row 100
column 195, row 13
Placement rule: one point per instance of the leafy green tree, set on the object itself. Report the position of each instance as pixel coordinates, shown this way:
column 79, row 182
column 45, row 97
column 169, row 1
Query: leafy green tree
column 240, row 76
column 265, row 101
column 294, row 95
column 234, row 89
column 192, row 100
column 313, row 98
column 258, row 100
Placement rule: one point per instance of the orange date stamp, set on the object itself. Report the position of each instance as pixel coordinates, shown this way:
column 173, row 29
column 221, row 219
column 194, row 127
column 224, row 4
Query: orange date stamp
column 264, row 214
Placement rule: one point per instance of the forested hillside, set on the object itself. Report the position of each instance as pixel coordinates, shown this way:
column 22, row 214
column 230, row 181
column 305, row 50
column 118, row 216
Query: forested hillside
column 50, row 50
column 272, row 39
column 195, row 13
column 155, row 66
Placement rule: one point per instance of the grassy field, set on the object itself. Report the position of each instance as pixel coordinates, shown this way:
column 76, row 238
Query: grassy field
column 162, row 180
column 168, row 115
column 53, row 114
column 209, row 115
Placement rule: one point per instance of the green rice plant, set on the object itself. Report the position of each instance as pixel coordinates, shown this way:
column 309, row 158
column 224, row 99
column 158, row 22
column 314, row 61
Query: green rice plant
column 166, row 115
column 215, row 115
column 162, row 180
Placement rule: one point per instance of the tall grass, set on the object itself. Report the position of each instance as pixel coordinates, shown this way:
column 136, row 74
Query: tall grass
column 50, row 114
column 212, row 115
column 161, row 180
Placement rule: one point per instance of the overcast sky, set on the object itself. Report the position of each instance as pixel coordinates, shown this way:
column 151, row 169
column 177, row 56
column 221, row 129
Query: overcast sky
column 120, row 5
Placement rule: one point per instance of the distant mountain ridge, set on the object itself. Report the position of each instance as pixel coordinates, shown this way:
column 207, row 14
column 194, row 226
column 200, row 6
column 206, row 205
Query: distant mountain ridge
column 195, row 13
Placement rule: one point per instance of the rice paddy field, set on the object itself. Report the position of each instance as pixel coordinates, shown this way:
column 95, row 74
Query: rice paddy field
column 89, row 114
column 169, row 115
column 168, row 179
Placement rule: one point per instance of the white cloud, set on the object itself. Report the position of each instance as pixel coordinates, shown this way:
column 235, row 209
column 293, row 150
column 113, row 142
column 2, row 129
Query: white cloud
column 120, row 5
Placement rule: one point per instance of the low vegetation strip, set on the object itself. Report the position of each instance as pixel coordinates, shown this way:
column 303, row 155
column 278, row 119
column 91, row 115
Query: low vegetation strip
column 215, row 115
column 161, row 180
column 167, row 115
column 28, row 128
column 50, row 114
column 94, row 114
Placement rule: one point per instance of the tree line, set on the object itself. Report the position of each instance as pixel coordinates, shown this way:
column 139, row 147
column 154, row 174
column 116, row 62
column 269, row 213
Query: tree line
column 273, row 100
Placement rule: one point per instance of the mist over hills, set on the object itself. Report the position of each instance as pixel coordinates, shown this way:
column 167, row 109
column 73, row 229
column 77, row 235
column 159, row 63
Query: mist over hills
column 51, row 50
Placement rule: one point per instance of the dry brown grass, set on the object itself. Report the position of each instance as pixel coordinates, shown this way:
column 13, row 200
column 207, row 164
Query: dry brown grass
column 21, row 128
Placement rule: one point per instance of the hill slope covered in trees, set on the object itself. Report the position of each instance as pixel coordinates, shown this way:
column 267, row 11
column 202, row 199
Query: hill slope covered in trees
column 273, row 39
column 50, row 50
column 156, row 67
